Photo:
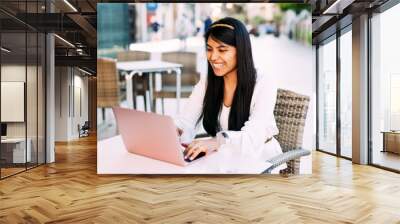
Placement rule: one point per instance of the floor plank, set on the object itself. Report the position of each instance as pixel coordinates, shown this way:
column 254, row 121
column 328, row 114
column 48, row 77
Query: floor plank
column 70, row 191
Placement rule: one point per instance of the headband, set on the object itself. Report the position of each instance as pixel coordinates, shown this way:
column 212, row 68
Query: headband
column 223, row 25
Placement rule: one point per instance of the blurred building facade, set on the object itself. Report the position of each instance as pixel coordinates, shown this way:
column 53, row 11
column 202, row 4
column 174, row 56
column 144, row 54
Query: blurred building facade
column 116, row 32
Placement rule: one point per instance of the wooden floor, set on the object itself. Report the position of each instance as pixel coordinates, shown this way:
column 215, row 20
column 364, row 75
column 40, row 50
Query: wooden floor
column 387, row 159
column 70, row 191
column 10, row 171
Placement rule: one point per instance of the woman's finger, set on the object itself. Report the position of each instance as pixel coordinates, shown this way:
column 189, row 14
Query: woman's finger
column 197, row 151
column 191, row 145
column 189, row 150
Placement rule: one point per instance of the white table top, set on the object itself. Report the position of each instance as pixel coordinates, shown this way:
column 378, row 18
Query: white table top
column 147, row 66
column 112, row 158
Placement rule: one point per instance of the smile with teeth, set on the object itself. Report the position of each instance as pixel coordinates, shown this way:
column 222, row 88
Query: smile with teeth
column 218, row 65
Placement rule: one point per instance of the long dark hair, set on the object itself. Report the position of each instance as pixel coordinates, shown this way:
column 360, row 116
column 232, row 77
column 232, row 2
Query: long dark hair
column 246, row 78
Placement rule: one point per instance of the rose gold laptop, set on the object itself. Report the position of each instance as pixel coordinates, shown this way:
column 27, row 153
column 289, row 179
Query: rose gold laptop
column 151, row 135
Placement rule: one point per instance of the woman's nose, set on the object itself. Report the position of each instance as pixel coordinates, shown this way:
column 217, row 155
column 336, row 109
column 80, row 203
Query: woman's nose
column 213, row 56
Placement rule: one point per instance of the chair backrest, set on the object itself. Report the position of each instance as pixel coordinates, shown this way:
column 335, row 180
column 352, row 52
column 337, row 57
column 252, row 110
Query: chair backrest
column 290, row 115
column 189, row 74
column 86, row 125
column 133, row 56
column 107, row 83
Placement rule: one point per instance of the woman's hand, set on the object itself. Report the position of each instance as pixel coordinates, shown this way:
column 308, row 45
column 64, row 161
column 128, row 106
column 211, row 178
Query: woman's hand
column 199, row 146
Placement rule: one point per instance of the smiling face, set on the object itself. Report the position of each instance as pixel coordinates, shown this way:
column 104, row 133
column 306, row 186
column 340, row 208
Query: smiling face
column 221, row 56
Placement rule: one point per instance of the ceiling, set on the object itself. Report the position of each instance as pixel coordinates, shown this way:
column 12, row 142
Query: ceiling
column 74, row 22
column 330, row 15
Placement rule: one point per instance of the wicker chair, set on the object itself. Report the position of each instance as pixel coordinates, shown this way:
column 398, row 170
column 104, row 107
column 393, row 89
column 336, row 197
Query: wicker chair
column 139, row 83
column 290, row 115
column 107, row 84
column 133, row 56
column 189, row 76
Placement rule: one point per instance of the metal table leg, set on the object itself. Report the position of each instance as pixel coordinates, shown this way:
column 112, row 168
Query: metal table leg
column 178, row 89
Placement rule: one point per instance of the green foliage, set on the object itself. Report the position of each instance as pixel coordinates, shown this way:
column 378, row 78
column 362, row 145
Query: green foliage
column 241, row 17
column 257, row 20
column 297, row 7
column 309, row 38
column 278, row 18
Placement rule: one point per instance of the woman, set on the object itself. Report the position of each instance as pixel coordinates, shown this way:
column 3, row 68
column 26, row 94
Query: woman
column 234, row 104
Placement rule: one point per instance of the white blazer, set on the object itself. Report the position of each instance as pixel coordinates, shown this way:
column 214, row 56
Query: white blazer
column 251, row 138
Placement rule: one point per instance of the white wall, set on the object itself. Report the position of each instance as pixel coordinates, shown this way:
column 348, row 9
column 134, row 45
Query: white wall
column 17, row 73
column 12, row 100
column 79, row 117
column 13, row 73
column 33, row 126
column 62, row 81
column 70, row 83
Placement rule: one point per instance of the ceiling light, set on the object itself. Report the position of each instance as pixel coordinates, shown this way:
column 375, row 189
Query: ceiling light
column 79, row 51
column 86, row 72
column 5, row 49
column 64, row 40
column 333, row 6
column 338, row 6
column 70, row 5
